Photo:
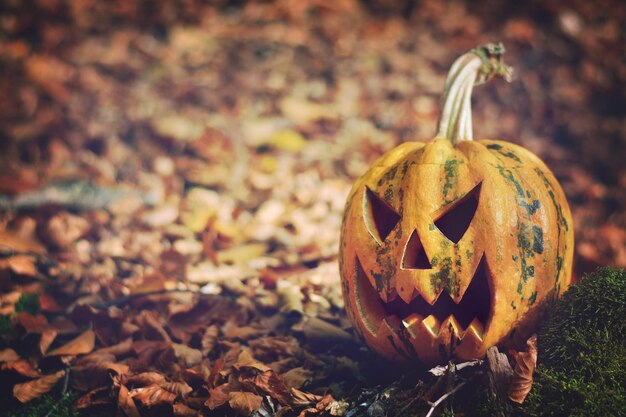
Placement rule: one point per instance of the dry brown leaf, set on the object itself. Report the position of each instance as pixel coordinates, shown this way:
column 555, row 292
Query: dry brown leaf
column 179, row 388
column 47, row 337
column 32, row 324
column 99, row 396
column 8, row 355
column 152, row 395
column 20, row 264
column 120, row 349
column 34, row 389
column 320, row 331
column 233, row 331
column 209, row 339
column 301, row 398
column 188, row 356
column 296, row 377
column 22, row 367
column 95, row 372
column 150, row 324
column 245, row 360
column 245, row 403
column 126, row 403
column 269, row 383
column 181, row 410
column 525, row 363
column 20, row 241
column 63, row 229
column 144, row 379
column 82, row 344
column 218, row 396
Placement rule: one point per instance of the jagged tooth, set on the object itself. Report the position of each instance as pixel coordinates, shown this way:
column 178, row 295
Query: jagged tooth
column 412, row 323
column 448, row 327
column 388, row 333
column 391, row 323
column 472, row 340
column 432, row 325
column 477, row 328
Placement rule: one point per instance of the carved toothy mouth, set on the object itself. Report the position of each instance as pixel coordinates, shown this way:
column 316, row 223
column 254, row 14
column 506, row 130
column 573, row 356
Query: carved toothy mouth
column 472, row 312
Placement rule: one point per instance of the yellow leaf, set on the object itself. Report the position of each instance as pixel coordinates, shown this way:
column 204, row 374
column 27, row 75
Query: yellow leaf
column 288, row 140
column 82, row 344
column 178, row 127
column 242, row 253
column 34, row 389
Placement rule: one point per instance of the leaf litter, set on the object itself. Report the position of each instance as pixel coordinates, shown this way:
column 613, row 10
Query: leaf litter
column 174, row 180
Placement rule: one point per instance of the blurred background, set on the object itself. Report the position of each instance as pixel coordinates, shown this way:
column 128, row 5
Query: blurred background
column 269, row 110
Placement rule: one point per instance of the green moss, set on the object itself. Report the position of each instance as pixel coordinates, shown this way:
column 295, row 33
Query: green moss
column 47, row 405
column 28, row 303
column 5, row 325
column 581, row 370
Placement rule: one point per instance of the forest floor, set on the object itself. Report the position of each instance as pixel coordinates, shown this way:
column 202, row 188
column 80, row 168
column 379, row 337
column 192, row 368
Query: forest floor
column 173, row 180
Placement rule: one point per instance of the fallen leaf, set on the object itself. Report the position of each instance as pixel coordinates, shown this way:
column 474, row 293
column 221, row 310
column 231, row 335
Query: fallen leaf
column 32, row 323
column 119, row 349
column 525, row 363
column 301, row 398
column 63, row 229
column 96, row 397
column 188, row 356
column 126, row 403
column 287, row 140
column 82, row 344
column 47, row 337
column 296, row 377
column 22, row 367
column 271, row 384
column 34, row 389
column 20, row 241
column 152, row 395
column 20, row 264
column 179, row 388
column 144, row 379
column 209, row 339
column 245, row 360
column 218, row 396
column 8, row 355
column 244, row 403
column 181, row 410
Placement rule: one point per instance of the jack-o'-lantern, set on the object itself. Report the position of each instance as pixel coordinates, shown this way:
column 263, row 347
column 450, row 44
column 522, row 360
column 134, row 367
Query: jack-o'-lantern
column 453, row 246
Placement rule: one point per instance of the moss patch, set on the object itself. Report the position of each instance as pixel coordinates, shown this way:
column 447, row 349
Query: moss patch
column 582, row 347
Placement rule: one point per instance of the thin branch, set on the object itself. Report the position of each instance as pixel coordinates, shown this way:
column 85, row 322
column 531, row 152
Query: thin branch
column 442, row 398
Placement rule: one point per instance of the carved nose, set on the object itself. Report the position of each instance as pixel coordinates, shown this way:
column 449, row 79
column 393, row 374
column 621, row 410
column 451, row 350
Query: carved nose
column 414, row 254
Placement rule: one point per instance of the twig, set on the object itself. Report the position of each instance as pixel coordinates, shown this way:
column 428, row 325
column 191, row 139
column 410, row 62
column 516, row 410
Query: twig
column 415, row 398
column 66, row 382
column 64, row 393
column 442, row 398
column 442, row 369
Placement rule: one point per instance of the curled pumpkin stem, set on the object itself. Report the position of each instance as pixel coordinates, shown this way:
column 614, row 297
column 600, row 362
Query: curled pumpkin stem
column 475, row 67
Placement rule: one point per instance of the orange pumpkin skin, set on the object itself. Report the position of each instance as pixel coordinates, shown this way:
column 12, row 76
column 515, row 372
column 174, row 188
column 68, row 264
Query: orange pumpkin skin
column 450, row 248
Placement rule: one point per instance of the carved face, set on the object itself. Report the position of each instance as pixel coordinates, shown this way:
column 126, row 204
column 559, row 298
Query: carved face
column 447, row 250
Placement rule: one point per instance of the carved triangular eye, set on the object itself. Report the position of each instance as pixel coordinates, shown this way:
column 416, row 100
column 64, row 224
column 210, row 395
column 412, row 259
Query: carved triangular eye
column 456, row 219
column 380, row 217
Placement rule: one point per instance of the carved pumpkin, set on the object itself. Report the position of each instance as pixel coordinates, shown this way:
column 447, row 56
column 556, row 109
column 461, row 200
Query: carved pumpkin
column 452, row 246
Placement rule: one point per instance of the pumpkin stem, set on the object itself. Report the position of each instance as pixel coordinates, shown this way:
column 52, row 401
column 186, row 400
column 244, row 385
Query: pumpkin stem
column 475, row 67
